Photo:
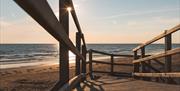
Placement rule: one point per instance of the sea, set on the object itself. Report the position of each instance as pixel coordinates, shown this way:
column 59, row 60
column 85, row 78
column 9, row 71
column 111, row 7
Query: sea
column 21, row 55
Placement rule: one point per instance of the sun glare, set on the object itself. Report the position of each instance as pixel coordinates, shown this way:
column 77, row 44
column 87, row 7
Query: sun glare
column 69, row 9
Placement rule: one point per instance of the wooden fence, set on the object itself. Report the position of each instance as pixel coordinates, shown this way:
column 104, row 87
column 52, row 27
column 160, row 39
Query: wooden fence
column 111, row 63
column 142, row 65
column 40, row 11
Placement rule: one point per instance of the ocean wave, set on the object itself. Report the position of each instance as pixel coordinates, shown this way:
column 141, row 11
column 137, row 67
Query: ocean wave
column 32, row 53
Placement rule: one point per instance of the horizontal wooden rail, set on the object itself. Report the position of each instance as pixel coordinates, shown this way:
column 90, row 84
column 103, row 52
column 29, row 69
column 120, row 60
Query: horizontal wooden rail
column 170, row 52
column 166, row 75
column 73, row 13
column 72, row 82
column 95, row 71
column 110, row 54
column 111, row 63
column 95, row 51
column 43, row 14
column 116, row 73
column 174, row 29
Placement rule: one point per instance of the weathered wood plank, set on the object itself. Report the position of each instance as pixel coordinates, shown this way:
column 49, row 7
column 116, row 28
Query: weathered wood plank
column 84, row 61
column 109, row 63
column 143, row 68
column 78, row 45
column 167, row 66
column 78, row 60
column 174, row 29
column 136, row 65
column 109, row 54
column 166, row 75
column 84, row 42
column 64, row 50
column 90, row 64
column 73, row 82
column 126, row 74
column 73, row 12
column 168, row 43
column 95, row 51
column 112, row 64
column 170, row 52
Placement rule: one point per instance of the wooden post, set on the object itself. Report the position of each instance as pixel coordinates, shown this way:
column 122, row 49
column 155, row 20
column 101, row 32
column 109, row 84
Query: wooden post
column 78, row 45
column 148, row 70
column 142, row 56
column 112, row 64
column 90, row 64
column 136, row 65
column 64, row 54
column 84, row 61
column 143, row 66
column 78, row 60
column 168, row 59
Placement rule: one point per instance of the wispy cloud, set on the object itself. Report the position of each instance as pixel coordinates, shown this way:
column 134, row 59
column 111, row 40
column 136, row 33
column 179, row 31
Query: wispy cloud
column 140, row 13
column 2, row 24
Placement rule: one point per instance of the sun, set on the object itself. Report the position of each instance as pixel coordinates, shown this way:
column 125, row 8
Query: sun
column 69, row 9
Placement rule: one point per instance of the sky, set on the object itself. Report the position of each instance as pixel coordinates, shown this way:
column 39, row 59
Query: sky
column 102, row 21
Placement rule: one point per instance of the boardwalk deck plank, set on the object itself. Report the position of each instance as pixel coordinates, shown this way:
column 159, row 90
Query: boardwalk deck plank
column 111, row 83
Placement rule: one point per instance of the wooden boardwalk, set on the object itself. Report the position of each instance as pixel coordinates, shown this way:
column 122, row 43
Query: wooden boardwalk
column 112, row 83
column 142, row 63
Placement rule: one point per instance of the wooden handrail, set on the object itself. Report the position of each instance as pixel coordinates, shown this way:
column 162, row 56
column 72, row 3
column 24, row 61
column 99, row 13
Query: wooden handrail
column 110, row 54
column 167, row 75
column 73, row 13
column 43, row 14
column 94, row 61
column 72, row 82
column 174, row 29
column 170, row 52
column 144, row 63
column 111, row 63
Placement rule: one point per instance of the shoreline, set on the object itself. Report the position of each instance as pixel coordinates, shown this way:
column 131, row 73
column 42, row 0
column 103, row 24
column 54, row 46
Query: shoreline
column 49, row 61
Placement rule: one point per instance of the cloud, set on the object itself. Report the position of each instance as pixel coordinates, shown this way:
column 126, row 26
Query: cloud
column 83, row 0
column 24, row 30
column 152, row 24
column 141, row 13
column 4, row 24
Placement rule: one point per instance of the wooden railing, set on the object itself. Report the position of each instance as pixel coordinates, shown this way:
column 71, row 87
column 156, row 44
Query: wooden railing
column 72, row 83
column 142, row 65
column 111, row 63
column 40, row 11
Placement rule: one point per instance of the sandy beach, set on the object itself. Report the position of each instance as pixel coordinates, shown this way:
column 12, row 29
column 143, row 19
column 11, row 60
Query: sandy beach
column 44, row 77
column 34, row 77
